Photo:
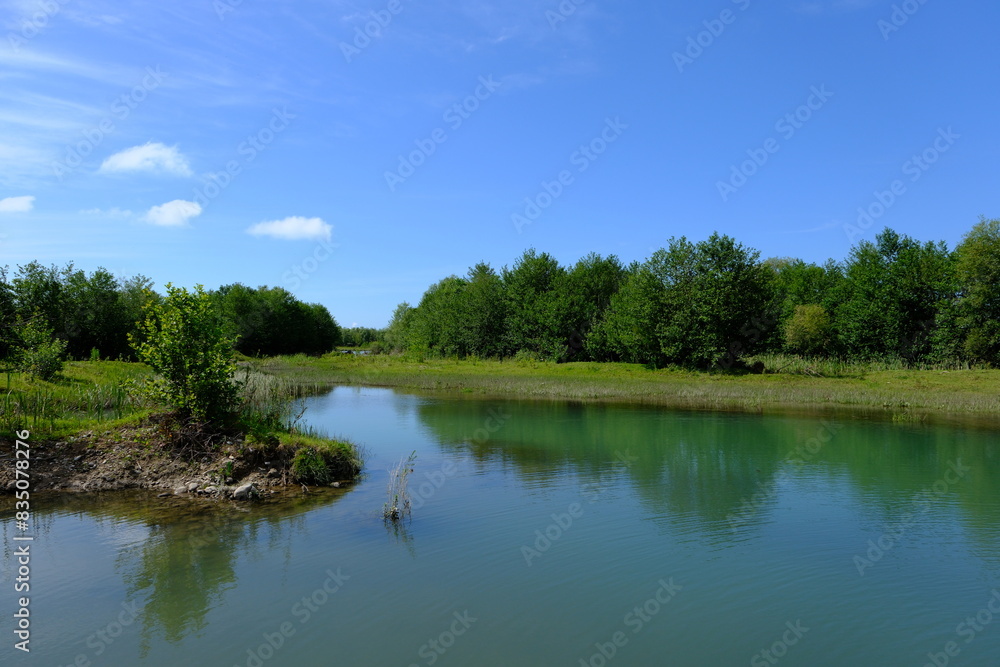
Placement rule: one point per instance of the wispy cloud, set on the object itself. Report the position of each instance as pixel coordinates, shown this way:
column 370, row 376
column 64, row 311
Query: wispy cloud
column 174, row 213
column 108, row 213
column 17, row 204
column 821, row 228
column 293, row 229
column 151, row 156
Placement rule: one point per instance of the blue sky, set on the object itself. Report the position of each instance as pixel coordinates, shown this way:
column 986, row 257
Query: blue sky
column 356, row 152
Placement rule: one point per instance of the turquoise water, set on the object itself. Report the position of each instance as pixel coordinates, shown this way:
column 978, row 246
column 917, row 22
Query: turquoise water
column 547, row 533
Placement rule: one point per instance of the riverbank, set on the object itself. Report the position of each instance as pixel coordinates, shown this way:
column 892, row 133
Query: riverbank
column 900, row 395
column 90, row 430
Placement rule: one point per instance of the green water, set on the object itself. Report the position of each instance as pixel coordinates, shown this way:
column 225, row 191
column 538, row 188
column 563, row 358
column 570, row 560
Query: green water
column 547, row 534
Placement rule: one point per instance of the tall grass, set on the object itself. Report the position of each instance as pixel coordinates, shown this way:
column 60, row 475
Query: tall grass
column 397, row 504
column 828, row 367
column 81, row 397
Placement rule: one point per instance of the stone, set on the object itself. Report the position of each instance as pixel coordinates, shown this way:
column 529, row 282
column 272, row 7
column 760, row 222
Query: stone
column 243, row 492
column 192, row 487
column 180, row 490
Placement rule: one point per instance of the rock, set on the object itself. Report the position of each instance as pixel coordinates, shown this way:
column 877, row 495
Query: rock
column 180, row 490
column 192, row 487
column 243, row 492
column 336, row 485
column 77, row 458
column 273, row 472
column 163, row 495
column 209, row 489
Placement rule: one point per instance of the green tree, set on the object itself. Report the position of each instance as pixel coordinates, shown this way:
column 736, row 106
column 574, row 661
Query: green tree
column 184, row 341
column 627, row 330
column 890, row 297
column 438, row 325
column 41, row 353
column 719, row 301
column 809, row 330
column 483, row 312
column 529, row 299
column 976, row 310
column 398, row 331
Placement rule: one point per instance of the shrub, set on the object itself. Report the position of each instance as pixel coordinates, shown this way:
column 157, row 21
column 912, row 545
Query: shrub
column 809, row 330
column 321, row 464
column 41, row 355
column 183, row 341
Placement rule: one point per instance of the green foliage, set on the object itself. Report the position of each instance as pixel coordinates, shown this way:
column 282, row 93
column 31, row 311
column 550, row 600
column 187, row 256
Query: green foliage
column 529, row 298
column 269, row 321
column 397, row 504
column 976, row 311
column 185, row 343
column 323, row 462
column 890, row 297
column 41, row 354
column 702, row 305
column 809, row 330
column 397, row 333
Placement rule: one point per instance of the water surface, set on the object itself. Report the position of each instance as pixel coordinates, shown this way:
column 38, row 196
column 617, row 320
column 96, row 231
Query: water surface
column 547, row 533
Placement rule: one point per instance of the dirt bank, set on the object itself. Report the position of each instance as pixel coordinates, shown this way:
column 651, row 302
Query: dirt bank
column 149, row 456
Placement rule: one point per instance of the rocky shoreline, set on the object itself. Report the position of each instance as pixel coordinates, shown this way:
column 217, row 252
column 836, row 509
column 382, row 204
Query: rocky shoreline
column 138, row 457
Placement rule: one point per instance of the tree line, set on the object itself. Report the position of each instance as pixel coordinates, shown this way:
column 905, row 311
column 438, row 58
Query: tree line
column 84, row 316
column 712, row 303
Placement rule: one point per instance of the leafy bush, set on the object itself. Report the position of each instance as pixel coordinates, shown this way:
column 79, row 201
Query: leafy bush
column 41, row 355
column 183, row 341
column 321, row 464
column 809, row 330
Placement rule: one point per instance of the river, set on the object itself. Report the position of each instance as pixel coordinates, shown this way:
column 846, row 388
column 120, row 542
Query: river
column 547, row 533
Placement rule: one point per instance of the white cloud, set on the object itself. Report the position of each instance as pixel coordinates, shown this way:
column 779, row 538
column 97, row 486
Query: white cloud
column 148, row 157
column 293, row 228
column 174, row 213
column 17, row 204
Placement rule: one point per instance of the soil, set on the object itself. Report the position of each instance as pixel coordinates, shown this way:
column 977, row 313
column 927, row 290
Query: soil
column 153, row 455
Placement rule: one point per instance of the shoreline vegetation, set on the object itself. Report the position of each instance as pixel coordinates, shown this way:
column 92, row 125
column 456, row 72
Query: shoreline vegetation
column 787, row 384
column 900, row 330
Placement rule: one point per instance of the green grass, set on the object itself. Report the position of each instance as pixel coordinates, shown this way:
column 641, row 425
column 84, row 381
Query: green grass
column 880, row 389
column 83, row 396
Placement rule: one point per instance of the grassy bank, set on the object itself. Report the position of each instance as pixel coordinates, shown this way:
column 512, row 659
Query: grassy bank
column 94, row 429
column 899, row 394
column 84, row 396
